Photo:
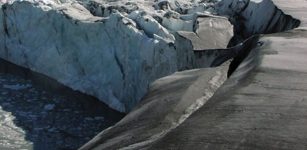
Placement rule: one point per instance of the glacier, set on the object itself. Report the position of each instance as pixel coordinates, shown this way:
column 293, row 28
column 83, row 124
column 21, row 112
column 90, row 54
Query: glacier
column 190, row 74
column 113, row 54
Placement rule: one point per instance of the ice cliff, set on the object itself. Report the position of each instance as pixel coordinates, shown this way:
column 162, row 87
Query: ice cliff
column 249, row 19
column 111, row 50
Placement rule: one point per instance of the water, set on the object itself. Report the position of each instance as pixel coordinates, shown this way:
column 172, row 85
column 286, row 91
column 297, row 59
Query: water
column 34, row 117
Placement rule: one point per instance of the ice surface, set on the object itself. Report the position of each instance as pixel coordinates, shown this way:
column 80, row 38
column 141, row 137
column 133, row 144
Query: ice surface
column 110, row 50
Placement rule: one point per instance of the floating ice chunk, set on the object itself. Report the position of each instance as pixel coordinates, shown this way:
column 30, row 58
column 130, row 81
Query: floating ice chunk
column 49, row 107
column 99, row 118
column 17, row 86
